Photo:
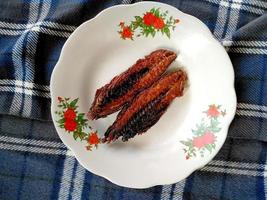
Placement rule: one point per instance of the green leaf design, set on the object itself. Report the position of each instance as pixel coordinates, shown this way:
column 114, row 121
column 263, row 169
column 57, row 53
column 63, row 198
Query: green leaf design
column 209, row 148
column 75, row 135
column 216, row 129
column 167, row 32
column 65, row 105
column 157, row 13
column 61, row 121
column 82, row 135
column 152, row 10
column 79, row 128
column 80, row 116
column 138, row 19
column 73, row 103
column 187, row 143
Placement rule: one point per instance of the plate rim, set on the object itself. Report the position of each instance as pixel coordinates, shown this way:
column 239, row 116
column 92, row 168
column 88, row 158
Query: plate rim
column 75, row 154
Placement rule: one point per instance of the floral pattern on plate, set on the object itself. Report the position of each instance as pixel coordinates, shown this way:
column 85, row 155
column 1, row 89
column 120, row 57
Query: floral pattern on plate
column 149, row 24
column 204, row 138
column 75, row 122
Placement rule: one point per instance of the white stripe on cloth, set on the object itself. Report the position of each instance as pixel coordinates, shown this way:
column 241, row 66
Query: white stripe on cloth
column 249, row 43
column 40, row 143
column 10, row 32
column 48, row 24
column 252, row 107
column 242, row 165
column 221, row 20
column 12, row 25
column 39, row 150
column 177, row 191
column 249, row 7
column 166, row 192
column 46, row 5
column 251, row 113
column 233, row 171
column 253, row 10
column 233, row 19
column 78, row 183
column 17, row 61
column 37, row 29
column 248, row 50
column 25, row 84
column 19, row 91
column 258, row 3
column 126, row 1
column 31, row 46
column 33, row 11
column 59, row 26
column 55, row 33
column 265, row 180
column 66, row 178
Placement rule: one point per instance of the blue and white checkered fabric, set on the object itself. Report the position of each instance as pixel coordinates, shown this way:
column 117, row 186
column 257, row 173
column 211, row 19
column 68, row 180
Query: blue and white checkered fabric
column 36, row 165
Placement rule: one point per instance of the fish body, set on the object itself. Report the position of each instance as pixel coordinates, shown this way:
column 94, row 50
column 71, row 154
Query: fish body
column 124, row 87
column 146, row 109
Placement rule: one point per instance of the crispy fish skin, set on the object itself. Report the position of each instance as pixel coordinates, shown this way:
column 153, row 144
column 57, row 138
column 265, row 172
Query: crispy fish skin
column 147, row 108
column 122, row 88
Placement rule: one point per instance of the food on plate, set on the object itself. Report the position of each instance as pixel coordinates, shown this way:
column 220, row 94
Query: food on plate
column 147, row 108
column 122, row 88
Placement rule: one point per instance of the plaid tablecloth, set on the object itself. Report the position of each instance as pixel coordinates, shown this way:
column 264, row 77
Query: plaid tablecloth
column 36, row 165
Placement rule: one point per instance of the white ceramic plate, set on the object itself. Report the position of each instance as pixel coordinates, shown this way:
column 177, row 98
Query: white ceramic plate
column 194, row 127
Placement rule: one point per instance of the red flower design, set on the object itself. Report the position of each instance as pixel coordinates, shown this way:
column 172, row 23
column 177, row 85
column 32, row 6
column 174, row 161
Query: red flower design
column 208, row 138
column 70, row 114
column 126, row 32
column 59, row 98
column 198, row 142
column 187, row 157
column 70, row 125
column 213, row 111
column 177, row 21
column 159, row 23
column 149, row 19
column 93, row 139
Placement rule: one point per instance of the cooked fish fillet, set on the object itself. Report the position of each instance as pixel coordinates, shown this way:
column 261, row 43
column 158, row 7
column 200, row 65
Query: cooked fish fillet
column 122, row 88
column 147, row 108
